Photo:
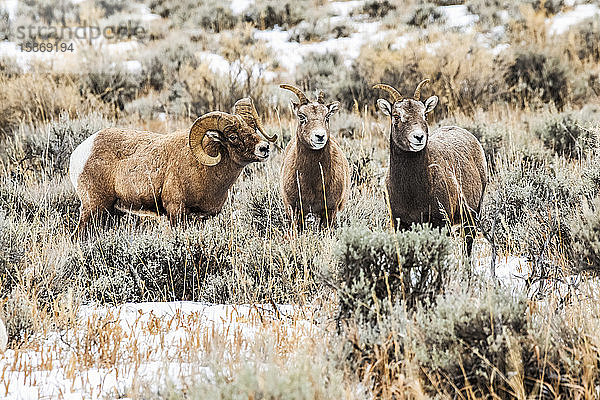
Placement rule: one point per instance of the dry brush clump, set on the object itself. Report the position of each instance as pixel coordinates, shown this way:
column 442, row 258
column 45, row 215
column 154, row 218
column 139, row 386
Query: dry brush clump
column 34, row 97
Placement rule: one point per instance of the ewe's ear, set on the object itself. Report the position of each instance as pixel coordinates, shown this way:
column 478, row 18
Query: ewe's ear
column 384, row 106
column 333, row 107
column 430, row 104
column 214, row 135
column 295, row 107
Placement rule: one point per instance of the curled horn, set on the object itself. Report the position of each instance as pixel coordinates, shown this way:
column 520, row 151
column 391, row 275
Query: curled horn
column 396, row 96
column 245, row 109
column 297, row 92
column 321, row 98
column 213, row 121
column 417, row 95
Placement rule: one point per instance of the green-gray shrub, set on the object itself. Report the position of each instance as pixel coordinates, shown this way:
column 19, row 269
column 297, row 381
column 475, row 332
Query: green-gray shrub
column 266, row 14
column 466, row 340
column 587, row 39
column 532, row 205
column 212, row 15
column 200, row 263
column 321, row 71
column 112, row 84
column 18, row 316
column 161, row 64
column 566, row 133
column 12, row 253
column 377, row 8
column 374, row 268
column 585, row 229
column 266, row 210
column 47, row 148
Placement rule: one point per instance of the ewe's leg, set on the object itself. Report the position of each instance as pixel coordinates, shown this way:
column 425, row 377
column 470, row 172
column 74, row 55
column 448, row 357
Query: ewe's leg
column 470, row 233
column 328, row 219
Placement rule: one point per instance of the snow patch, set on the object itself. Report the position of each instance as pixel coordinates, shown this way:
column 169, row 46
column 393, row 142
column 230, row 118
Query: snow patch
column 10, row 6
column 344, row 8
column 157, row 343
column 217, row 64
column 133, row 66
column 290, row 54
column 239, row 6
column 458, row 16
column 563, row 21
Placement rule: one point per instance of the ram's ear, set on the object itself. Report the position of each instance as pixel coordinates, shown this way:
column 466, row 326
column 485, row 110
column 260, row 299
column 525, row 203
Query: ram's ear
column 384, row 106
column 333, row 107
column 430, row 104
column 215, row 135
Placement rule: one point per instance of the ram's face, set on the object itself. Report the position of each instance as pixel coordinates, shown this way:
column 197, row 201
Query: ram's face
column 409, row 130
column 313, row 123
column 246, row 145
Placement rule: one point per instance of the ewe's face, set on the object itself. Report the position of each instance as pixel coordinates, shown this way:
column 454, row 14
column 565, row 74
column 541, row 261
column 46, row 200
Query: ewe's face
column 313, row 123
column 246, row 145
column 409, row 130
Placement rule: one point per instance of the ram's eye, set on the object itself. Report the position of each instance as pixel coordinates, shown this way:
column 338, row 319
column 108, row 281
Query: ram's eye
column 233, row 138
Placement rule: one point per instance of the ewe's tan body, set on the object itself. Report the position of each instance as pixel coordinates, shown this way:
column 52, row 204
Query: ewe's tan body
column 310, row 171
column 315, row 175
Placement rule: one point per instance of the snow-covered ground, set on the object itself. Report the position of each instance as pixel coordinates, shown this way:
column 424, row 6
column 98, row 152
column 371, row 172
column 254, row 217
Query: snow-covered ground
column 563, row 21
column 172, row 343
column 458, row 16
column 154, row 344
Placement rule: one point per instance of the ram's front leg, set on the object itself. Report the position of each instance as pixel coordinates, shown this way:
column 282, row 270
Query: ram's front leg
column 173, row 202
column 176, row 212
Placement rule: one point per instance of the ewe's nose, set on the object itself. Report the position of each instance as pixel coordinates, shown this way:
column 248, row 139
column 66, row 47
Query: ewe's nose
column 320, row 138
column 419, row 137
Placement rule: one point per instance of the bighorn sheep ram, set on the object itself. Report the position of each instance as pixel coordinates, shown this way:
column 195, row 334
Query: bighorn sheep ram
column 433, row 177
column 177, row 173
column 315, row 176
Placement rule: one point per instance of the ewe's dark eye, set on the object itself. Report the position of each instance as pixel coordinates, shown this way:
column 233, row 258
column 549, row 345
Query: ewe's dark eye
column 302, row 118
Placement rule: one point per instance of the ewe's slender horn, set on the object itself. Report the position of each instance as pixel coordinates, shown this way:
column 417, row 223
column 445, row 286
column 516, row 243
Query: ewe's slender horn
column 396, row 96
column 321, row 98
column 245, row 109
column 417, row 95
column 297, row 92
column 213, row 121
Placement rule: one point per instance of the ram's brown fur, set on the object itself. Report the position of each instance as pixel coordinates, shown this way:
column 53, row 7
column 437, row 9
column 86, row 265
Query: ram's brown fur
column 144, row 172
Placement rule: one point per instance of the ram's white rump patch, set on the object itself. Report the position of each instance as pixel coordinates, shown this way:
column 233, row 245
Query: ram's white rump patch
column 79, row 159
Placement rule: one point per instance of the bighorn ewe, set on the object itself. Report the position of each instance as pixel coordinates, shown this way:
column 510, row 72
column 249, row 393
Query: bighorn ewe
column 177, row 173
column 433, row 177
column 315, row 176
